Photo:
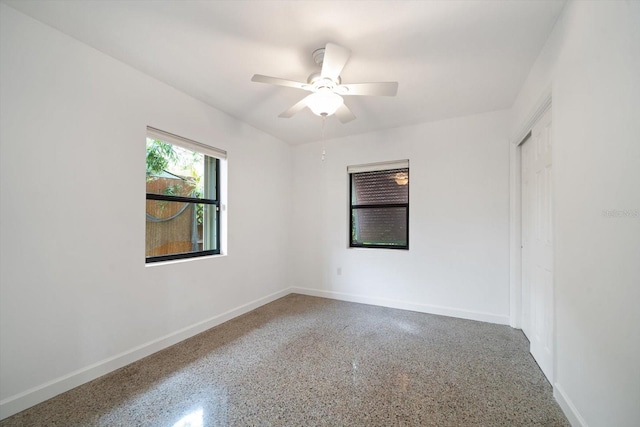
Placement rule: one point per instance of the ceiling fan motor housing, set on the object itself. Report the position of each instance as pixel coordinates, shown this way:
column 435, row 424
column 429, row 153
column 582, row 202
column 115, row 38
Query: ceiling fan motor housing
column 316, row 80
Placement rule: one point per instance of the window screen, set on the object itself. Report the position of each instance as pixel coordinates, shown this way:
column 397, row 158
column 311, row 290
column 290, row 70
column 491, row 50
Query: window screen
column 380, row 209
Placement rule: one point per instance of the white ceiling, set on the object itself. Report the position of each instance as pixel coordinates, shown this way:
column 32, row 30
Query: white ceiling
column 451, row 58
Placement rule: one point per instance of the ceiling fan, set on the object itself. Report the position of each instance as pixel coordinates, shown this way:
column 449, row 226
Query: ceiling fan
column 326, row 86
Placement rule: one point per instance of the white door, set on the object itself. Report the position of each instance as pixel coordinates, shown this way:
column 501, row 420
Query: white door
column 537, row 244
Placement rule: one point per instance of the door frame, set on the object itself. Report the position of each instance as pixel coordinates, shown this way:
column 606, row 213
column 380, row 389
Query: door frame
column 515, row 213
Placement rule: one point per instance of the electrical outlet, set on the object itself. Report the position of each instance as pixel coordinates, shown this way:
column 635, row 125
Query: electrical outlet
column 339, row 271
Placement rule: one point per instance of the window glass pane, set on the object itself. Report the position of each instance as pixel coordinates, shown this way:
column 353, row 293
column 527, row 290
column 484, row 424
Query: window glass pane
column 381, row 187
column 210, row 181
column 379, row 226
column 178, row 227
column 176, row 171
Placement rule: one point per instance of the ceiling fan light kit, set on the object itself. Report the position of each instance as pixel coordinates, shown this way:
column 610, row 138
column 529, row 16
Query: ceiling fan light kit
column 324, row 102
column 327, row 87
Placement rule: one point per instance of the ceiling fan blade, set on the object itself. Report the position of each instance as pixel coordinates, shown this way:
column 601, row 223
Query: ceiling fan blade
column 335, row 58
column 297, row 107
column 344, row 114
column 279, row 82
column 375, row 89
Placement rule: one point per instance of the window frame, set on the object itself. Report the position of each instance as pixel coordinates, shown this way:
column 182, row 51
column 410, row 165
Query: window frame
column 206, row 152
column 381, row 167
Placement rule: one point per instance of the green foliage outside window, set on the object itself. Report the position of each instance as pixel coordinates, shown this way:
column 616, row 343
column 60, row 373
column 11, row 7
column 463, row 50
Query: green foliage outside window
column 187, row 165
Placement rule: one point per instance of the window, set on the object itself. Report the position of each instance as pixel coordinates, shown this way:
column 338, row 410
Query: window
column 379, row 211
column 183, row 198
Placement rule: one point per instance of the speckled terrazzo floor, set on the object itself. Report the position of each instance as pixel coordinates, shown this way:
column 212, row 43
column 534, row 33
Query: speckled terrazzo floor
column 306, row 361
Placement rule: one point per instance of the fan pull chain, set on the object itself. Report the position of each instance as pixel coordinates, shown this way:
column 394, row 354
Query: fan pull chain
column 324, row 118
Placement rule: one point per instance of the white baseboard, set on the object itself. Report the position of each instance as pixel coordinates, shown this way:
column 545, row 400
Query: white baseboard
column 19, row 402
column 405, row 305
column 568, row 407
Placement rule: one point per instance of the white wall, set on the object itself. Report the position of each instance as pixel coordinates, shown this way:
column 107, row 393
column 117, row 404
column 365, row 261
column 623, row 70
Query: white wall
column 76, row 298
column 458, row 262
column 591, row 63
